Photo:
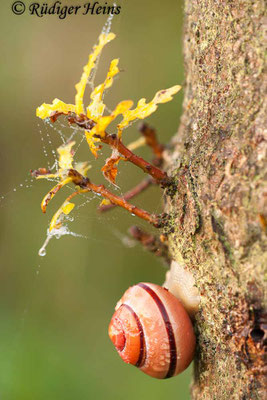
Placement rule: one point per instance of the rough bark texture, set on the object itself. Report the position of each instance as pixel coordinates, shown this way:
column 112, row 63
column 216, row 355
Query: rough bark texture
column 217, row 226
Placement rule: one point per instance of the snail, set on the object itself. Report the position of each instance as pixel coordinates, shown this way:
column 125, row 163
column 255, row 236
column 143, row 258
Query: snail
column 152, row 330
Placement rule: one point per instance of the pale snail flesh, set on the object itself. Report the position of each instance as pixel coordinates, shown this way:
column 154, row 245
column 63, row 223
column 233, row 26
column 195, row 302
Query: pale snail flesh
column 181, row 284
column 151, row 330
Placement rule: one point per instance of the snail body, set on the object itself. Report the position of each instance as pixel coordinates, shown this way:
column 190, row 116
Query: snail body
column 181, row 283
column 151, row 330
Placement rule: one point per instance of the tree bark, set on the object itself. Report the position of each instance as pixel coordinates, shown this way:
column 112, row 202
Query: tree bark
column 217, row 225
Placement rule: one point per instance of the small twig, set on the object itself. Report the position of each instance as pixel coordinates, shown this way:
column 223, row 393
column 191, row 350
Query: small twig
column 131, row 193
column 113, row 141
column 40, row 171
column 80, row 191
column 85, row 183
column 150, row 136
column 150, row 242
column 151, row 140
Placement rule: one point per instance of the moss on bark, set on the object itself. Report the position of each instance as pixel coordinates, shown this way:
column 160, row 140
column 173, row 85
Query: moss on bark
column 217, row 225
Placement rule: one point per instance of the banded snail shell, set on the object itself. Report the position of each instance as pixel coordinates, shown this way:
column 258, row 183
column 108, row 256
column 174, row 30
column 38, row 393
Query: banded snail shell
column 151, row 330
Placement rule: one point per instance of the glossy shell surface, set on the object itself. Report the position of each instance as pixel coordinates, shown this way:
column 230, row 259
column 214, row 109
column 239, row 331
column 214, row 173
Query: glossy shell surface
column 151, row 330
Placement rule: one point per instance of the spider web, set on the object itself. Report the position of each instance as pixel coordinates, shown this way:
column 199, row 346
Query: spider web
column 51, row 137
column 65, row 134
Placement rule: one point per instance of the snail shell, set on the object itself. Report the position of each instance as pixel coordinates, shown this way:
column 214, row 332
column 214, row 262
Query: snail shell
column 151, row 330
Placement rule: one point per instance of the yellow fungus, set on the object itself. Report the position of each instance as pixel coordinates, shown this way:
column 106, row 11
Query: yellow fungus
column 81, row 85
column 103, row 122
column 97, row 107
column 105, row 202
column 45, row 110
column 94, row 111
column 65, row 209
column 65, row 156
column 144, row 109
column 52, row 192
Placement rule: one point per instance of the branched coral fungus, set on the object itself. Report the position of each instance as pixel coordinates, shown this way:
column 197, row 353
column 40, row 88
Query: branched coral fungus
column 95, row 122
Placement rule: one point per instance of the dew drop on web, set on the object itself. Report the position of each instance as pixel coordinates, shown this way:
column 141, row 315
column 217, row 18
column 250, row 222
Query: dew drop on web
column 42, row 252
column 57, row 233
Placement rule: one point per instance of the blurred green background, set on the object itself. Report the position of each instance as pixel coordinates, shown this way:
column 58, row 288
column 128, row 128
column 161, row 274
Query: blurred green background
column 55, row 310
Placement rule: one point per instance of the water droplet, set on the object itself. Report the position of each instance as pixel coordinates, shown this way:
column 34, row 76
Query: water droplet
column 42, row 252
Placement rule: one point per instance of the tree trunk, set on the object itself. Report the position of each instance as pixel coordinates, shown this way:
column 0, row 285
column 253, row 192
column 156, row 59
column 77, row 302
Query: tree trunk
column 217, row 225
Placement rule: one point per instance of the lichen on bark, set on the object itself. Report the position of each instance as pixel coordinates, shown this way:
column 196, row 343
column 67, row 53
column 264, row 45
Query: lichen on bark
column 217, row 225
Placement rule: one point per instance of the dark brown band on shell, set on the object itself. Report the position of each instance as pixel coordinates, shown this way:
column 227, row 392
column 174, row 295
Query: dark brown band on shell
column 168, row 325
column 141, row 359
